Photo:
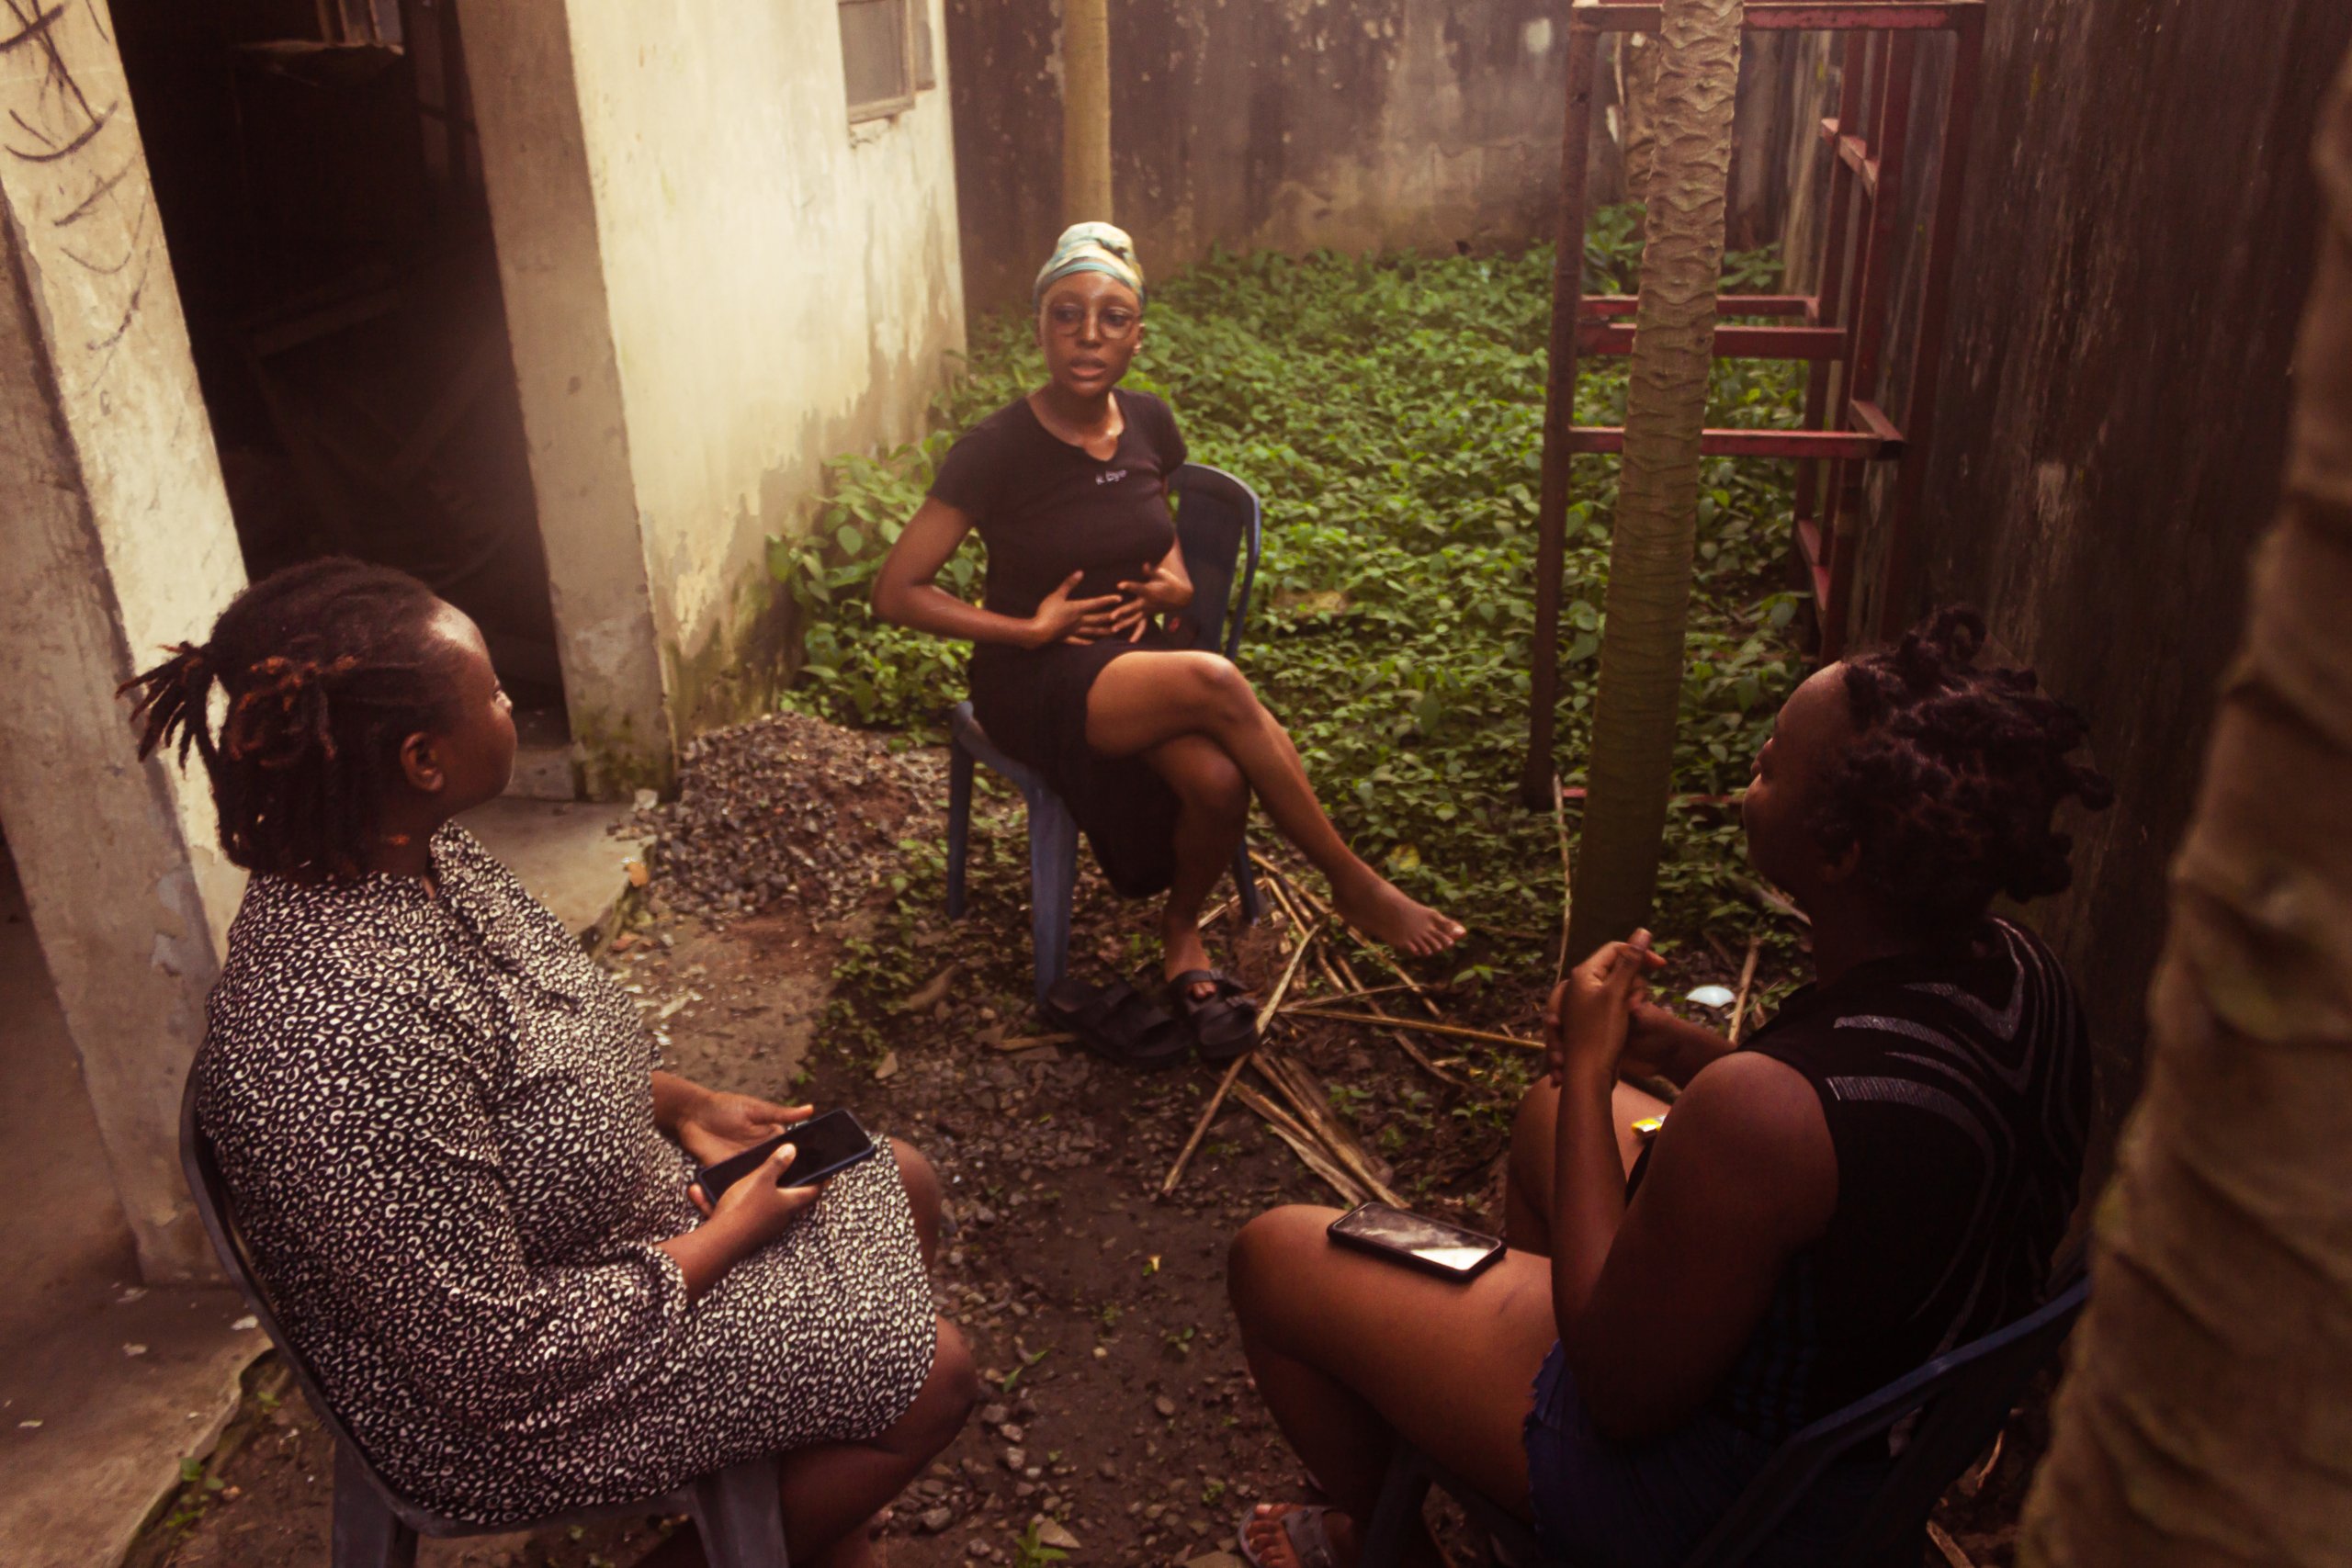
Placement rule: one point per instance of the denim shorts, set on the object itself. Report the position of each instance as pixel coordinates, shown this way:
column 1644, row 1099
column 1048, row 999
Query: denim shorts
column 1648, row 1504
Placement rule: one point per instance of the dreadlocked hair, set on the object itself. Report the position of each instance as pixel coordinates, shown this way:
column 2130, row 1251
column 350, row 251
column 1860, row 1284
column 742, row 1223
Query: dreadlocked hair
column 327, row 669
column 1950, row 784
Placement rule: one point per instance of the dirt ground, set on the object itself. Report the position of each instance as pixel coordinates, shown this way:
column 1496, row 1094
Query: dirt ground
column 790, row 946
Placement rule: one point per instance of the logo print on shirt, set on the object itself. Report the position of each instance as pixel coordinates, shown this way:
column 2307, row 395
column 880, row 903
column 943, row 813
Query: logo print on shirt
column 1110, row 478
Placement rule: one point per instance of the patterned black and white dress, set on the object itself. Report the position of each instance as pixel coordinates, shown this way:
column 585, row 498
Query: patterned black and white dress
column 435, row 1117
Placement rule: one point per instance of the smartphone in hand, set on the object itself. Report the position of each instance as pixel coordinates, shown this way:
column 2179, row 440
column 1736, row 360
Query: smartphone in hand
column 829, row 1145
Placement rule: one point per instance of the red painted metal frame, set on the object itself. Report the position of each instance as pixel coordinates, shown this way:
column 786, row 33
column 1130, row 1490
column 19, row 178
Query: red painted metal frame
column 1843, row 338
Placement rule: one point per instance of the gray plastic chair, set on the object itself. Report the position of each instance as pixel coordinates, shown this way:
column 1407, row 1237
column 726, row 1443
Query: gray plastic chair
column 1960, row 1400
column 738, row 1509
column 1217, row 520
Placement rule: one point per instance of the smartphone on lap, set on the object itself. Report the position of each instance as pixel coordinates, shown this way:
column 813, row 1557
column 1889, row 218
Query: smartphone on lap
column 1416, row 1241
column 829, row 1145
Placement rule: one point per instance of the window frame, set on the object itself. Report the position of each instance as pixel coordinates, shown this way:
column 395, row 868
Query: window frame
column 889, row 107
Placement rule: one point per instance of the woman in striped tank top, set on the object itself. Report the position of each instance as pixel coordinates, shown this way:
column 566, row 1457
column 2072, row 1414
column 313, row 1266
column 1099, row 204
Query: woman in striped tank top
column 1879, row 1174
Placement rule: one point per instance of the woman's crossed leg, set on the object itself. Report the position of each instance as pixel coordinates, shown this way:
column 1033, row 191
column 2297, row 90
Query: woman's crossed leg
column 1160, row 705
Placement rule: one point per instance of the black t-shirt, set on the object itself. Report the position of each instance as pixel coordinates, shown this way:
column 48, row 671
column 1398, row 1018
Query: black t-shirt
column 1957, row 1091
column 1045, row 508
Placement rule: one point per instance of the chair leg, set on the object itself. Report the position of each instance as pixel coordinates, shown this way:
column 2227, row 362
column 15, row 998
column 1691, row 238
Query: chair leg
column 740, row 1513
column 368, row 1534
column 1053, row 886
column 1401, row 1496
column 959, row 825
column 1245, row 881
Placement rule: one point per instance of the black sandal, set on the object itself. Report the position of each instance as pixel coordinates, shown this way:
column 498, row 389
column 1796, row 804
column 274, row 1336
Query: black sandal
column 1225, row 1023
column 1117, row 1022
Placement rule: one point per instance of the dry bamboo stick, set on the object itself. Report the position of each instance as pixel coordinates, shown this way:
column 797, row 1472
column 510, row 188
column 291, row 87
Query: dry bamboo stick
column 1351, row 987
column 1567, row 876
column 1291, row 1082
column 1454, row 1030
column 1279, row 893
column 1772, row 900
column 1949, row 1548
column 1347, row 993
column 1302, row 1143
column 1319, row 907
column 1282, row 986
column 1201, row 1127
column 1746, row 981
column 1205, row 921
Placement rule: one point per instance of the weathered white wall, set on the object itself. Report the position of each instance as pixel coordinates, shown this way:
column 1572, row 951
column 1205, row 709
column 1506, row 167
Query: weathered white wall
column 118, row 539
column 775, row 285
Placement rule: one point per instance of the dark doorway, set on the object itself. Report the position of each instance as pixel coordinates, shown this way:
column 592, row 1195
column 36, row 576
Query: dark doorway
column 320, row 183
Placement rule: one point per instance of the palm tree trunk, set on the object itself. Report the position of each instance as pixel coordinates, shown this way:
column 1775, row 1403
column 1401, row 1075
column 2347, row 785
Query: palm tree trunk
column 1637, row 63
column 2206, row 1417
column 1086, row 111
column 1657, row 500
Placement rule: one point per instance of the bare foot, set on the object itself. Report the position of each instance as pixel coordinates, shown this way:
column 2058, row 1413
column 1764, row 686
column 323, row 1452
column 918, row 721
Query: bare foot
column 1183, row 948
column 1271, row 1544
column 1380, row 910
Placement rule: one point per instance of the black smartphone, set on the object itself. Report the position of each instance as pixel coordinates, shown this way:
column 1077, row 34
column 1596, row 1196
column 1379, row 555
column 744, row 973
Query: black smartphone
column 1434, row 1246
column 829, row 1145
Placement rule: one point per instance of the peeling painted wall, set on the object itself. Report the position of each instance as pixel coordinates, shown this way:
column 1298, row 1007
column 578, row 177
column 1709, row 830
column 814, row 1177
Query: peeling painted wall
column 763, row 286
column 1294, row 124
column 2139, row 233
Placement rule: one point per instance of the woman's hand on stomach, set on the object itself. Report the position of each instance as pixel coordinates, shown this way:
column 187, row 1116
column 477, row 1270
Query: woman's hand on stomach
column 1060, row 618
column 1159, row 592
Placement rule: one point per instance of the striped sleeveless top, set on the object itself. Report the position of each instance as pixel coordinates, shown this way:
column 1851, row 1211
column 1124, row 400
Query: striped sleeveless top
column 1957, row 1091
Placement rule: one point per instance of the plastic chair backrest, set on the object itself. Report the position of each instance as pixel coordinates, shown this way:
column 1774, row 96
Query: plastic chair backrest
column 219, row 1216
column 1961, row 1400
column 1218, row 523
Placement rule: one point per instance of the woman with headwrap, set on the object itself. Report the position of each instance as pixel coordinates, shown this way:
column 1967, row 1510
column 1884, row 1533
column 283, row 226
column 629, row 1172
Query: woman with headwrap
column 1157, row 746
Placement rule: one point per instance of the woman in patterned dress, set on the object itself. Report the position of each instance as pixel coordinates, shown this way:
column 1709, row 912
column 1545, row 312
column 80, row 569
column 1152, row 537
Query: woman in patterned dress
column 452, row 1147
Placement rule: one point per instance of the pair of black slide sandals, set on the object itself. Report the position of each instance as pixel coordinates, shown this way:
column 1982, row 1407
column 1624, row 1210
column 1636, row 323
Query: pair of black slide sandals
column 1121, row 1024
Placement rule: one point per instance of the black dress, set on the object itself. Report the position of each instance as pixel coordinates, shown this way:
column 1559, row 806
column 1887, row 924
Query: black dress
column 1045, row 508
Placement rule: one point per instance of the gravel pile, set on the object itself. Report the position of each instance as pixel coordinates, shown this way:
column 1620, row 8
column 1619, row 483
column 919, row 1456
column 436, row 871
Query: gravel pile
column 787, row 812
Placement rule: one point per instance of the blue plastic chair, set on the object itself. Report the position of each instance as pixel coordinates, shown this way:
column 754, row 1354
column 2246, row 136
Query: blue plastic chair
column 1218, row 522
column 738, row 1510
column 1960, row 1400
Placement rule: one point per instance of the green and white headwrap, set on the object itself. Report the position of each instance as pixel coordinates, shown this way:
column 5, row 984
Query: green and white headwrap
column 1091, row 247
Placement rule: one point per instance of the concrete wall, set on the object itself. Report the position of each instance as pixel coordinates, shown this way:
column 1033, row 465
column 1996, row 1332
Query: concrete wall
column 714, row 282
column 2139, row 233
column 1294, row 124
column 118, row 537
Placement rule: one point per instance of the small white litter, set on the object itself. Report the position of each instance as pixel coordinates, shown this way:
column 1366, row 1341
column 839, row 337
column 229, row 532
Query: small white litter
column 1712, row 996
column 242, row 1324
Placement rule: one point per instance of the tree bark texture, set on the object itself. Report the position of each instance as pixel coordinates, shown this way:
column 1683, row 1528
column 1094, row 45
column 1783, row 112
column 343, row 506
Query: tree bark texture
column 1640, row 693
column 1637, row 66
column 1086, row 112
column 2207, row 1416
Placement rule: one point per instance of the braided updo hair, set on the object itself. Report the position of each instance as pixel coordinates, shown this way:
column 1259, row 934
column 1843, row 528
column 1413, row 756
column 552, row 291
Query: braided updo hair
column 328, row 668
column 1951, row 782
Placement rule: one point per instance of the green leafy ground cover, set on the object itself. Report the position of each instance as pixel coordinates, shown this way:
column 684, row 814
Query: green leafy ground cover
column 1389, row 412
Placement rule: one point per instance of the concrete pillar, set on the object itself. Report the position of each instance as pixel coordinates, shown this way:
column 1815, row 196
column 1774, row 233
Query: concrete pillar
column 559, row 317
column 117, row 539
